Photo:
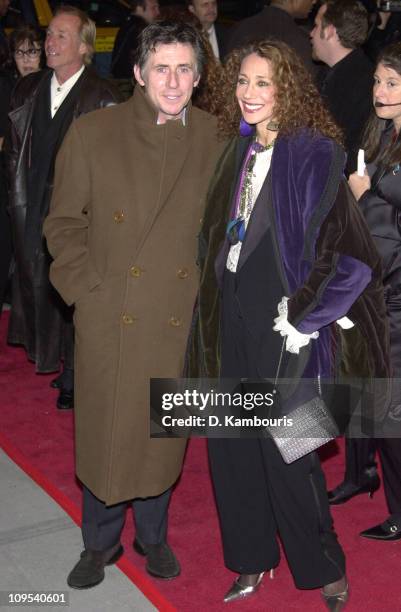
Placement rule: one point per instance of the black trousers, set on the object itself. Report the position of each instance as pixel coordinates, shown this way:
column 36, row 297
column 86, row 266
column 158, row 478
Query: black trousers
column 260, row 497
column 102, row 525
column 360, row 458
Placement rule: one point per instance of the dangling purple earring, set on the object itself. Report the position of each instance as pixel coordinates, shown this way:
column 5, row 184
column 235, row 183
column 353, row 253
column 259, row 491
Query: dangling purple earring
column 245, row 129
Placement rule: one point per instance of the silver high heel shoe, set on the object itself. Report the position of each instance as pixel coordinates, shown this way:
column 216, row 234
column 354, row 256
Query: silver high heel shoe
column 238, row 591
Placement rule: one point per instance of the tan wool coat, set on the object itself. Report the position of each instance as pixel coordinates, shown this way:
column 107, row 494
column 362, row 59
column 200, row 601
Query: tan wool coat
column 126, row 209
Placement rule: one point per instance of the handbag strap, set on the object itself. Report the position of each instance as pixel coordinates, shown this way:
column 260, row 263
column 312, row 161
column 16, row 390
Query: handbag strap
column 280, row 362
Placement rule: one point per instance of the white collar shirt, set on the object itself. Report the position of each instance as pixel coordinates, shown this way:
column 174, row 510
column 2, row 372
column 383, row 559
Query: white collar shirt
column 213, row 41
column 58, row 93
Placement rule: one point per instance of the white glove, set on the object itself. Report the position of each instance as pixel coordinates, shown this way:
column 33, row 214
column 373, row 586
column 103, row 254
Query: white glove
column 295, row 340
column 345, row 323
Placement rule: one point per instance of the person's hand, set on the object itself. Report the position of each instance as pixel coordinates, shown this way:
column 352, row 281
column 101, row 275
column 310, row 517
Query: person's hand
column 359, row 184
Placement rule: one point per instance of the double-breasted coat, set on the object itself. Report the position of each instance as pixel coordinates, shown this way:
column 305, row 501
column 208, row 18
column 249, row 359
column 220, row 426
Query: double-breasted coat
column 126, row 210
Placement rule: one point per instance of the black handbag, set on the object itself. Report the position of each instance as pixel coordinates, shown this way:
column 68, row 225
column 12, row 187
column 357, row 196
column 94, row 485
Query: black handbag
column 312, row 426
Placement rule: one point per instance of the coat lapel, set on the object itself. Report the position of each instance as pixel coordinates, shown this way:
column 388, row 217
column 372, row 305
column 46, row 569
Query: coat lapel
column 166, row 148
column 176, row 148
column 258, row 223
column 21, row 117
column 220, row 263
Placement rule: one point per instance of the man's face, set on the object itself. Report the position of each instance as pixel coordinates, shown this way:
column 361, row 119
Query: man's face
column 151, row 11
column 302, row 8
column 318, row 37
column 169, row 77
column 4, row 4
column 64, row 49
column 205, row 11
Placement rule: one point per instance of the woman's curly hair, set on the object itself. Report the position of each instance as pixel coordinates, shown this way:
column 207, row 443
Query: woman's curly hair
column 297, row 102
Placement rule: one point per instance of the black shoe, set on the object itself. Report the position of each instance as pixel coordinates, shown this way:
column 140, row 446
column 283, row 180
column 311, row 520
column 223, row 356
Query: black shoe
column 56, row 383
column 161, row 562
column 385, row 531
column 89, row 571
column 347, row 490
column 65, row 400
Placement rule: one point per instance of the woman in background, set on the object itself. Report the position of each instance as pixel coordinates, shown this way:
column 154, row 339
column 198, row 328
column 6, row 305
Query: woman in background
column 379, row 196
column 26, row 47
column 25, row 55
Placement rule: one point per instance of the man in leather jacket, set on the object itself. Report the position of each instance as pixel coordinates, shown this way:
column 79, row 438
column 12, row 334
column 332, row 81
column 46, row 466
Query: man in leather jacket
column 43, row 106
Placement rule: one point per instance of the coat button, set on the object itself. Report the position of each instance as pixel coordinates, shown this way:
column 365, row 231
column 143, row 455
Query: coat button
column 174, row 322
column 118, row 216
column 183, row 273
column 135, row 271
column 128, row 319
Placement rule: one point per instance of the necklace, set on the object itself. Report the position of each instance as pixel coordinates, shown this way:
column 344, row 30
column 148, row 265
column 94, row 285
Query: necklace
column 259, row 148
column 236, row 228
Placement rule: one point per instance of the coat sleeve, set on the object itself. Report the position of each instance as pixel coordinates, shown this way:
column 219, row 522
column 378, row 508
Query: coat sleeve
column 17, row 139
column 67, row 226
column 343, row 267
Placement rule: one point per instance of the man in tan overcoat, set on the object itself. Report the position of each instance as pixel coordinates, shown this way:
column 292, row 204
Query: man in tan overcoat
column 128, row 199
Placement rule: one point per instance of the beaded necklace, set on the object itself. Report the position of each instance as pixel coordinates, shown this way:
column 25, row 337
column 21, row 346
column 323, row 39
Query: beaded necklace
column 236, row 228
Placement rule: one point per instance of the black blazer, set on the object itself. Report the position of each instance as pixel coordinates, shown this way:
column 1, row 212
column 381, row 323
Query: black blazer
column 222, row 35
column 273, row 22
column 347, row 91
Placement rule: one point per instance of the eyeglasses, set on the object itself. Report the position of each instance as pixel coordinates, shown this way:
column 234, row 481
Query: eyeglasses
column 30, row 53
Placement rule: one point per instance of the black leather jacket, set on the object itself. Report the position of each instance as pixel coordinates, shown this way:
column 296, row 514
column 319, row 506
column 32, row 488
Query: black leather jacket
column 33, row 307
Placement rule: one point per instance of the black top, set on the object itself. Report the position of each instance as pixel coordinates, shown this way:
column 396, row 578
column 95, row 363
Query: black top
column 381, row 207
column 122, row 60
column 273, row 22
column 347, row 90
column 249, row 346
column 223, row 35
column 47, row 135
column 6, row 85
column 381, row 38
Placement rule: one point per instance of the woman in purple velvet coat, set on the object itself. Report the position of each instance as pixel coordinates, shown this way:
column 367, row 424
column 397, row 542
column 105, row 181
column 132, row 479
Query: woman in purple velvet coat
column 280, row 221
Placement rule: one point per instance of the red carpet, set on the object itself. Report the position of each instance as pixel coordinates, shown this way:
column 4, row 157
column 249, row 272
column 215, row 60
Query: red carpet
column 40, row 440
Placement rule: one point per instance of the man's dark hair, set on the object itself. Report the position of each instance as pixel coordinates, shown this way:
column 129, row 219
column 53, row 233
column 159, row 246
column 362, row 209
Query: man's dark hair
column 167, row 33
column 351, row 20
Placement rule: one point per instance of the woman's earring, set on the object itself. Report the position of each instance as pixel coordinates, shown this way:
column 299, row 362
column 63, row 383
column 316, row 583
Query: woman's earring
column 273, row 126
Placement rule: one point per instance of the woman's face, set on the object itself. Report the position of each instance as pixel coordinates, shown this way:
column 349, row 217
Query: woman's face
column 27, row 57
column 387, row 91
column 255, row 91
